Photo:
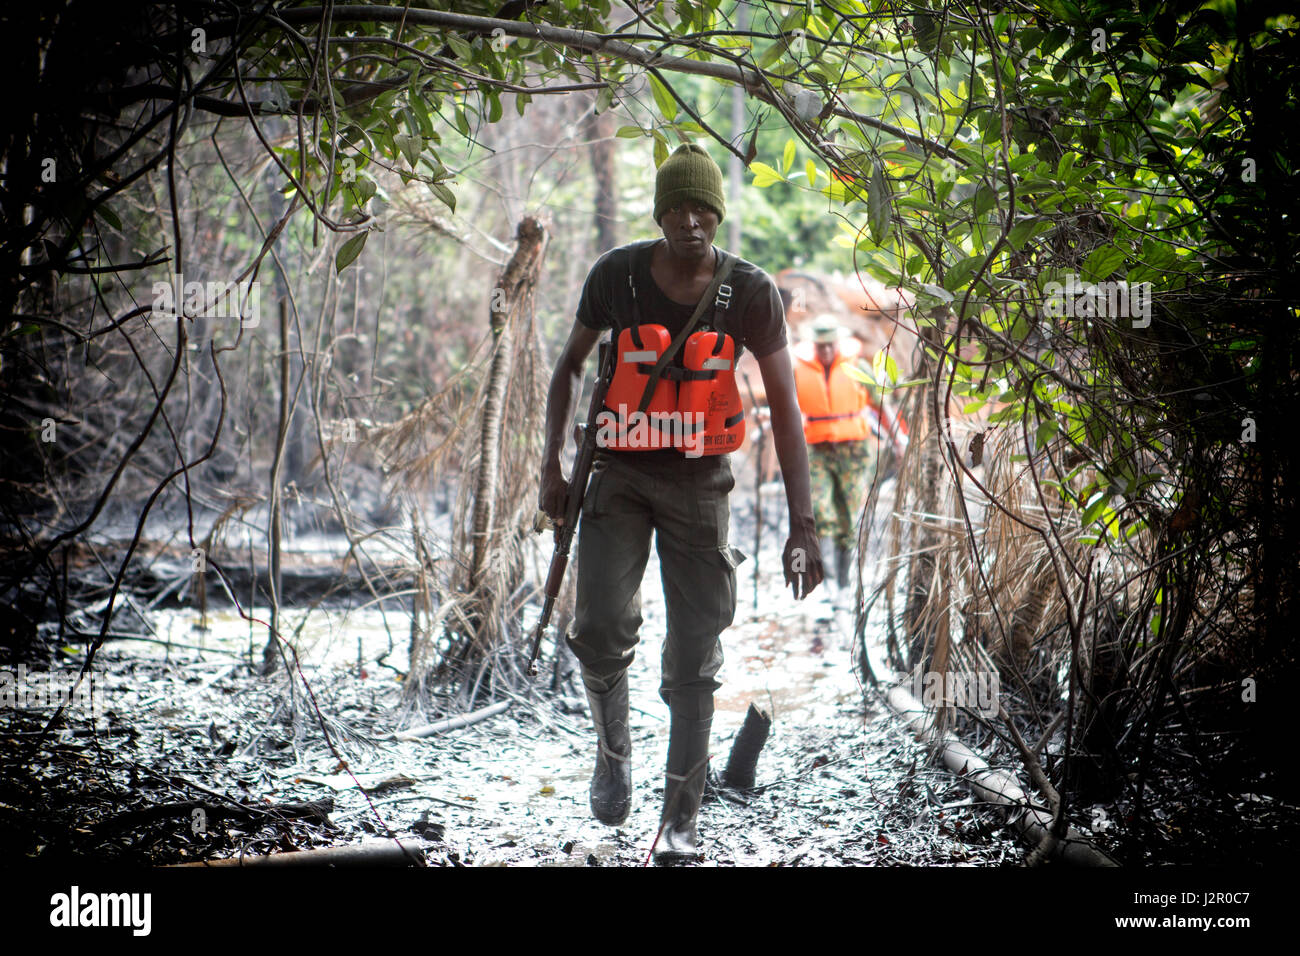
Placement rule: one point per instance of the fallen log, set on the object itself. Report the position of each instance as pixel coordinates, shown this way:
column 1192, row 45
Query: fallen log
column 453, row 723
column 999, row 787
column 739, row 773
column 373, row 853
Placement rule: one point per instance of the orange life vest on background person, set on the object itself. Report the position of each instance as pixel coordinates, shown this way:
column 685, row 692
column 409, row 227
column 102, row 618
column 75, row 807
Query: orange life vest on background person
column 831, row 403
column 695, row 407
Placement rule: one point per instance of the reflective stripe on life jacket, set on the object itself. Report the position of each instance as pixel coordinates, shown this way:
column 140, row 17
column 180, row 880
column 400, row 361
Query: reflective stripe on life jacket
column 832, row 404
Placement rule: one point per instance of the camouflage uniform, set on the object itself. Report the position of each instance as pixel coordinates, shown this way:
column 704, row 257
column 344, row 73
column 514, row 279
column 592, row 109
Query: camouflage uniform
column 840, row 473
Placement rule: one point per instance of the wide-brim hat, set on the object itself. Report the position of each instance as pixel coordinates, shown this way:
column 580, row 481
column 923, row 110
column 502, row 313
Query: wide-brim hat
column 825, row 329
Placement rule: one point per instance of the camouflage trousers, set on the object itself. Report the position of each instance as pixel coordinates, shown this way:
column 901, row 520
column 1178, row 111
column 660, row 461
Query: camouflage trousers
column 840, row 473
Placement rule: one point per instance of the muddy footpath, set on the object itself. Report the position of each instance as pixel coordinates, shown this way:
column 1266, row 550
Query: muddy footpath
column 190, row 756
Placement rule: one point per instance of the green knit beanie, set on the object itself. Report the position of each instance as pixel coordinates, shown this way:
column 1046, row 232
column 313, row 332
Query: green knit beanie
column 689, row 173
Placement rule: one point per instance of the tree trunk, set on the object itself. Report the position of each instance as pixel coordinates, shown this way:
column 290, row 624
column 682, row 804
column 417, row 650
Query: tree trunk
column 515, row 282
column 604, row 169
column 922, row 566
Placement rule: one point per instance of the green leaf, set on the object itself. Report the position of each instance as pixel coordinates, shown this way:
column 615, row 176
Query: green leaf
column 459, row 47
column 1099, row 99
column 663, row 99
column 1095, row 507
column 794, row 18
column 959, row 274
column 765, row 175
column 773, row 53
column 446, row 195
column 884, row 368
column 857, row 374
column 350, row 250
column 787, row 156
column 1103, row 261
column 1021, row 232
column 878, row 204
column 630, row 132
column 421, row 110
column 105, row 213
column 410, row 147
column 810, row 172
column 937, row 291
column 1066, row 164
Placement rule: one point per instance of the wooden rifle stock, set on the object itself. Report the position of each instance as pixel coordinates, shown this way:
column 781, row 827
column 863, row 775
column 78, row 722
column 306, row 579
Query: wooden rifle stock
column 577, row 491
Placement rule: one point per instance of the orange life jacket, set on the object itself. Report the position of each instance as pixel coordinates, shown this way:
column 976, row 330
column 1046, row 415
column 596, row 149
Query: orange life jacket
column 695, row 407
column 831, row 404
column 717, row 397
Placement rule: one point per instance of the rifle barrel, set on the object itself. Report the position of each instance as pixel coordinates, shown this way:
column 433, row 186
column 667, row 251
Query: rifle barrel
column 573, row 505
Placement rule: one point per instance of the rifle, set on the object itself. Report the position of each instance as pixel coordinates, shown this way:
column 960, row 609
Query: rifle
column 577, row 491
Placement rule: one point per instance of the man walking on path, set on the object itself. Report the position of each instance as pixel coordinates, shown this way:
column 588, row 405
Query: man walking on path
column 840, row 459
column 679, row 311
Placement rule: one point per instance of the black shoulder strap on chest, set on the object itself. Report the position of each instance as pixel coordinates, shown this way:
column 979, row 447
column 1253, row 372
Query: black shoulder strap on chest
column 718, row 294
column 634, row 320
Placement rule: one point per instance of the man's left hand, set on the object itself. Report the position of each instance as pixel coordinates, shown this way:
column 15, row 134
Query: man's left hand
column 802, row 560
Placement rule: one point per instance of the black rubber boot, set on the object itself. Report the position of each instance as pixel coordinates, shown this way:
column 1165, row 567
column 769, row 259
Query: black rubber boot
column 611, row 783
column 688, row 764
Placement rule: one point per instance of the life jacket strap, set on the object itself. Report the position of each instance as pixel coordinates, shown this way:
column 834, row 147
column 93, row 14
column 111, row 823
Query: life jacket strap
column 676, row 374
column 669, row 423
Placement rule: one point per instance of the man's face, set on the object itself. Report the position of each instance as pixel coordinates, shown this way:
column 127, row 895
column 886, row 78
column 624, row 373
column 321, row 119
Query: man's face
column 689, row 228
column 826, row 352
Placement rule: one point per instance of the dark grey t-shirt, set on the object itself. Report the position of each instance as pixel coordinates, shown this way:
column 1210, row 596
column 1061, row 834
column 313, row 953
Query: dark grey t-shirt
column 754, row 318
